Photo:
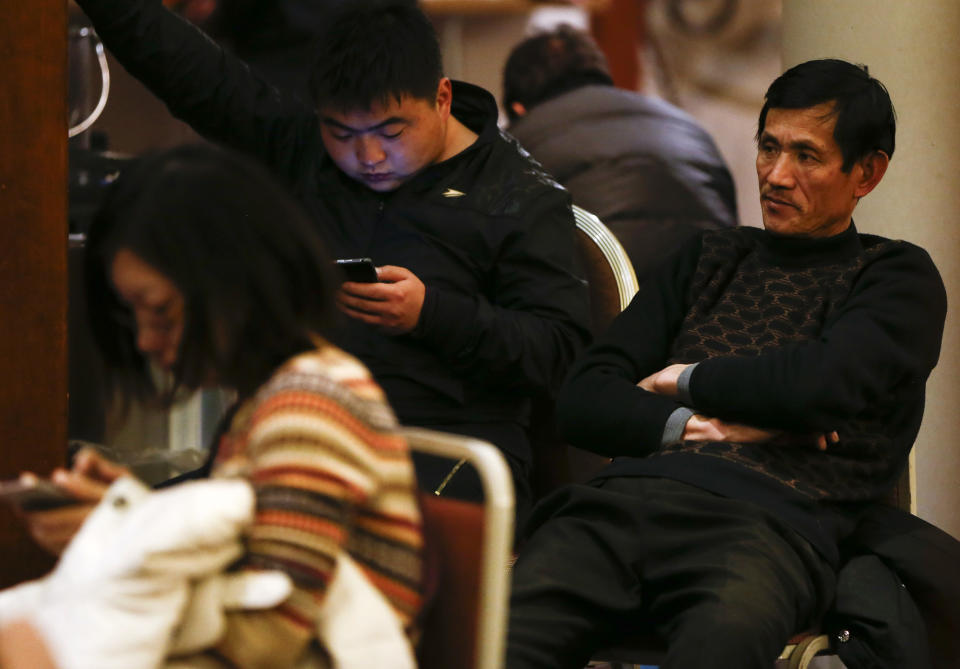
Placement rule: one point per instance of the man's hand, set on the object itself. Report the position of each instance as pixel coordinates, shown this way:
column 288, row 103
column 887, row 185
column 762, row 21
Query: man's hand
column 664, row 382
column 393, row 304
column 88, row 480
column 704, row 428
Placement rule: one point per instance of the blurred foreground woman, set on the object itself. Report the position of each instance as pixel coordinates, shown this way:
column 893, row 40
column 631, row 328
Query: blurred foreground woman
column 201, row 272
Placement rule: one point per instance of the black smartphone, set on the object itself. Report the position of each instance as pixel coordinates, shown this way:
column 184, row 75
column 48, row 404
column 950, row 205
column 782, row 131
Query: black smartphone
column 33, row 494
column 358, row 269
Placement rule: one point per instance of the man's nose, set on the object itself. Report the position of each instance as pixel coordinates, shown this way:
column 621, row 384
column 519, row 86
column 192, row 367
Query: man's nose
column 781, row 172
column 369, row 151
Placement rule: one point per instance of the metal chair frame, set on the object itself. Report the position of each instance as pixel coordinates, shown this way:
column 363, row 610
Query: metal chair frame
column 612, row 250
column 498, row 515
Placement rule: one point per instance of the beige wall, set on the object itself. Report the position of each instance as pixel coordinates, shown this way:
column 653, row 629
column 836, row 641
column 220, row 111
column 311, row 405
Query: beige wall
column 914, row 49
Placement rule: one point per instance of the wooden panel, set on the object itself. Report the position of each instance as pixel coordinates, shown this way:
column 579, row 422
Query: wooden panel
column 619, row 27
column 33, row 255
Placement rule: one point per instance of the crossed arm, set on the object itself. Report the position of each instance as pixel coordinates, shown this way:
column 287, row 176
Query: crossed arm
column 705, row 428
column 874, row 348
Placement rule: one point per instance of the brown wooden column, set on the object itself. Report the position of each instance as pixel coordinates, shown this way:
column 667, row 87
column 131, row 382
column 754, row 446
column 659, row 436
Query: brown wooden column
column 619, row 27
column 33, row 258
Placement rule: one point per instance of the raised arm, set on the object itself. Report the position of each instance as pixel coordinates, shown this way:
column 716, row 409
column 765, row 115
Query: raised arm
column 204, row 85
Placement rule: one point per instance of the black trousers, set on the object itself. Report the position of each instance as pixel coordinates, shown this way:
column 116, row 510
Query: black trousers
column 720, row 579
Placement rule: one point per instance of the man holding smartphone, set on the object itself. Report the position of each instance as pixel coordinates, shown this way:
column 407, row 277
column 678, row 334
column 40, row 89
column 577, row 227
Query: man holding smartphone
column 479, row 305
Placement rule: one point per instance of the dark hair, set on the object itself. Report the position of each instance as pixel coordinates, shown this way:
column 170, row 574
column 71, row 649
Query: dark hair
column 374, row 50
column 866, row 121
column 551, row 63
column 249, row 263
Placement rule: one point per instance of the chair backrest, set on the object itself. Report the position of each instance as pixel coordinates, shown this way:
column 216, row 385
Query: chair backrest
column 610, row 274
column 612, row 284
column 469, row 545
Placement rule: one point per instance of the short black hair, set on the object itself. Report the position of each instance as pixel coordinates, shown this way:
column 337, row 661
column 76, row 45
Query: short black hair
column 866, row 121
column 374, row 50
column 550, row 63
column 250, row 264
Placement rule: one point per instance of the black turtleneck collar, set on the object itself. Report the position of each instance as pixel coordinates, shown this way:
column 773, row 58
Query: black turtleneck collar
column 787, row 250
column 475, row 108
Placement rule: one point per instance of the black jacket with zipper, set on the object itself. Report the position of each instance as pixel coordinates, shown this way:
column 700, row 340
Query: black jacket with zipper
column 487, row 231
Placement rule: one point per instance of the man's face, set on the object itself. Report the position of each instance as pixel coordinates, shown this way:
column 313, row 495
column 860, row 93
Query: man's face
column 384, row 146
column 803, row 190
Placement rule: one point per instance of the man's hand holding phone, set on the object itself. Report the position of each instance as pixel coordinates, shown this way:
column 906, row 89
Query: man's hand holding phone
column 393, row 303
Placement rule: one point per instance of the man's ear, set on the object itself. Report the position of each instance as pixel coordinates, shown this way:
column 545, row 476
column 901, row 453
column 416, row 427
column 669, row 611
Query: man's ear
column 872, row 168
column 518, row 109
column 444, row 96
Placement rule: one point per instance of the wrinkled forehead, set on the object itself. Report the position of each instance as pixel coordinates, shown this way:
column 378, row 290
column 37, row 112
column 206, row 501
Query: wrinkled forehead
column 815, row 124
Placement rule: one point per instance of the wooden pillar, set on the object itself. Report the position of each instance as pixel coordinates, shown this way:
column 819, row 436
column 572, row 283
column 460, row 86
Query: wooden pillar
column 619, row 27
column 33, row 258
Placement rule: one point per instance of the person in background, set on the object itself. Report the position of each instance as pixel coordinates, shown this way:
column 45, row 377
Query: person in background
column 760, row 394
column 480, row 305
column 649, row 171
column 196, row 269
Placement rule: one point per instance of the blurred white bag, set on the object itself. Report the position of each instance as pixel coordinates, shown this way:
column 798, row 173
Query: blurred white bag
column 357, row 625
column 143, row 577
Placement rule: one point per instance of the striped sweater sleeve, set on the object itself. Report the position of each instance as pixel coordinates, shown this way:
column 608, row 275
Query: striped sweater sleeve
column 331, row 474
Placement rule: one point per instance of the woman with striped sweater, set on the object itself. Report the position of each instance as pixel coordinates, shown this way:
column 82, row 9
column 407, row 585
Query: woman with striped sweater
column 202, row 268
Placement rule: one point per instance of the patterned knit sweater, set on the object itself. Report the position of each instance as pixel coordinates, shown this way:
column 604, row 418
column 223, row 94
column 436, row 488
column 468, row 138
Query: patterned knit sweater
column 319, row 444
column 804, row 336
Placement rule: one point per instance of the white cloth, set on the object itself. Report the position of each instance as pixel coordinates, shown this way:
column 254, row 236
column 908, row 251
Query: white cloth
column 357, row 625
column 143, row 581
column 124, row 584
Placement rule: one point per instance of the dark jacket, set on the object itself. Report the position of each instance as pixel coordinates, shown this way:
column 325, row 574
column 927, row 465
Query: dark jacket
column 646, row 168
column 489, row 234
column 801, row 335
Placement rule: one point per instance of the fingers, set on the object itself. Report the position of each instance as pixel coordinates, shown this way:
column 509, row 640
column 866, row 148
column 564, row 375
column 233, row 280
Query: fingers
column 393, row 274
column 79, row 485
column 827, row 439
column 376, row 292
column 54, row 529
column 393, row 304
column 93, row 465
column 366, row 309
column 664, row 382
column 89, row 479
